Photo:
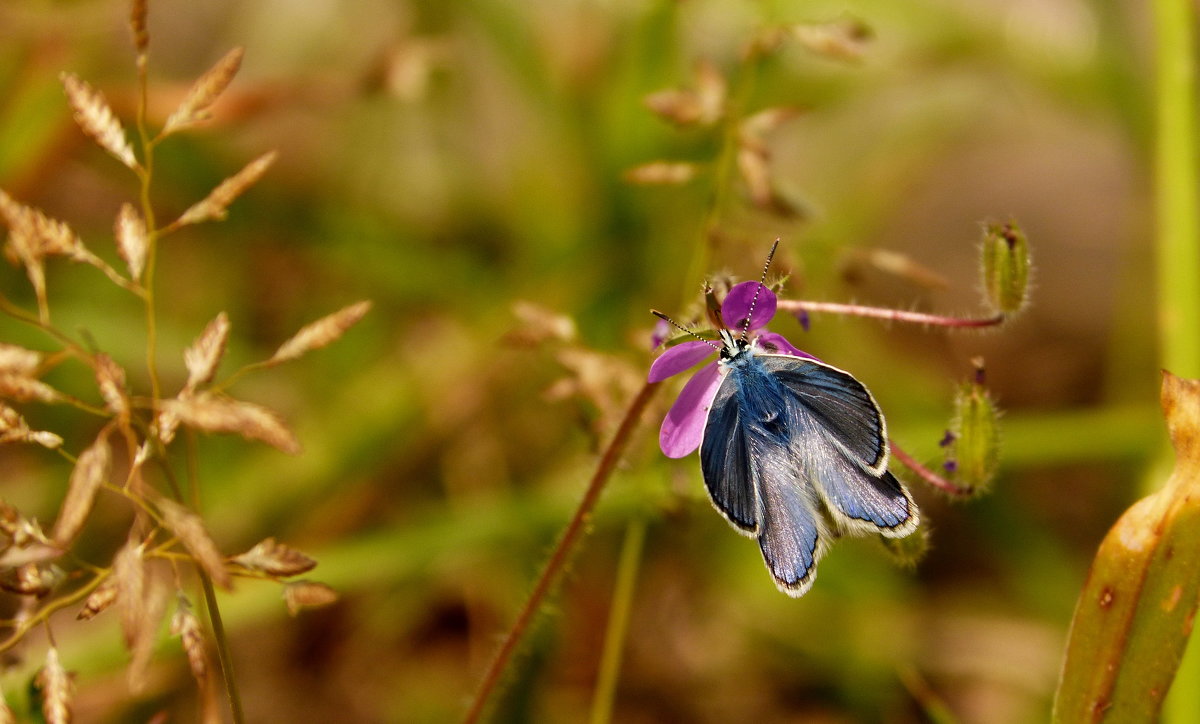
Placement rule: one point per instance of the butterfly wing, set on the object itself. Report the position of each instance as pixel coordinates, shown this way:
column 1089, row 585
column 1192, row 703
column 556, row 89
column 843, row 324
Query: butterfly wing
column 790, row 533
column 840, row 439
column 725, row 461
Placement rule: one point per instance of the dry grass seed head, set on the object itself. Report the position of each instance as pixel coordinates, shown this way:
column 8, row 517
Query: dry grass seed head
column 129, row 576
column 205, row 91
column 97, row 120
column 300, row 595
column 18, row 360
column 205, row 353
column 110, row 378
column 322, row 332
column 90, row 472
column 137, row 26
column 208, row 412
column 98, row 600
column 132, row 240
column 189, row 528
column 24, row 389
column 186, row 626
column 55, row 684
column 215, row 205
column 275, row 559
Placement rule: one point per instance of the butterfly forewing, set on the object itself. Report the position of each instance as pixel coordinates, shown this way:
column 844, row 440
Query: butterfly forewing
column 840, row 405
column 725, row 461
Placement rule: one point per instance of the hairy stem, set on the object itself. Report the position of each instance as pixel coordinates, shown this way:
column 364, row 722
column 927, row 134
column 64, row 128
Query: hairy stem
column 562, row 551
column 793, row 306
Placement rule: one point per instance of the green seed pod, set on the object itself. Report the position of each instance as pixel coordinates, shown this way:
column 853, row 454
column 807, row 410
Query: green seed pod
column 975, row 441
column 1006, row 267
column 909, row 550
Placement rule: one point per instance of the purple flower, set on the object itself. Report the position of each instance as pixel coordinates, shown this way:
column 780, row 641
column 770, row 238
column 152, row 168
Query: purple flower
column 683, row 427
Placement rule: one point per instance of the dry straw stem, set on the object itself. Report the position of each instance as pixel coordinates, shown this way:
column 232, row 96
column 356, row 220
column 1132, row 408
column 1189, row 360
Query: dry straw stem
column 215, row 205
column 91, row 470
column 204, row 92
column 300, row 595
column 275, row 559
column 190, row 530
column 210, row 412
column 55, row 684
column 205, row 353
column 96, row 118
column 132, row 240
column 322, row 332
column 1137, row 608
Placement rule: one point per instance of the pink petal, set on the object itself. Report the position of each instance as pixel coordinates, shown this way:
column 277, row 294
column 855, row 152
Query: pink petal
column 775, row 343
column 682, row 356
column 737, row 305
column 683, row 427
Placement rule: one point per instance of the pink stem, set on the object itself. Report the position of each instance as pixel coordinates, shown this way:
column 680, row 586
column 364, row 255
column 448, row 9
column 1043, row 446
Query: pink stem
column 794, row 306
column 926, row 474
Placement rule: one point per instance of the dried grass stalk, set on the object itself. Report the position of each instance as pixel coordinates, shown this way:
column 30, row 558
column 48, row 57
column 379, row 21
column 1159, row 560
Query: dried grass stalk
column 110, row 378
column 215, row 205
column 324, row 331
column 205, row 91
column 186, row 626
column 137, row 25
column 300, row 595
column 217, row 413
column 91, row 470
column 19, row 360
column 24, row 389
column 96, row 118
column 276, row 559
column 132, row 240
column 189, row 528
column 55, row 684
column 205, row 353
column 101, row 598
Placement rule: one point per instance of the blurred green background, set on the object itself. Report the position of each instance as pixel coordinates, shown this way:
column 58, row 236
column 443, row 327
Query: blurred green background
column 449, row 159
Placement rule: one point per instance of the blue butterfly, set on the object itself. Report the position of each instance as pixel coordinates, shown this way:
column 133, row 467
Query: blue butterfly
column 788, row 443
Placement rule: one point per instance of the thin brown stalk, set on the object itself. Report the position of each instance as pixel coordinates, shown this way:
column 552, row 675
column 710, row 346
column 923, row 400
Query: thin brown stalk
column 562, row 551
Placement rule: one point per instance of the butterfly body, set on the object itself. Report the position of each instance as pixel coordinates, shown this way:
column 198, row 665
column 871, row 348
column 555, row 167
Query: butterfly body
column 789, row 444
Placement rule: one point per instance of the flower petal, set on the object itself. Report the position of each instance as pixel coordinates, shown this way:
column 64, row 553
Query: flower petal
column 737, row 305
column 775, row 343
column 683, row 427
column 679, row 358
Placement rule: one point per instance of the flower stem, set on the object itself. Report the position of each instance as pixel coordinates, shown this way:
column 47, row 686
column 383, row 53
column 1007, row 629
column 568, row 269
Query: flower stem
column 618, row 621
column 214, row 617
column 794, row 306
column 926, row 474
column 562, row 551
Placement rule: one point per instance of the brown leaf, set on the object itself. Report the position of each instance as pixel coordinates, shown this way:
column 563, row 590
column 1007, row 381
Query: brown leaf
column 205, row 91
column 90, row 472
column 300, row 595
column 205, row 353
column 216, row 413
column 132, row 239
column 322, row 332
column 276, row 559
column 189, row 528
column 96, row 118
column 214, row 206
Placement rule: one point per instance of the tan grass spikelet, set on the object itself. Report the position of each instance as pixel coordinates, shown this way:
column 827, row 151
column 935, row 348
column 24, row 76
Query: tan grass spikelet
column 186, row 626
column 132, row 240
column 300, row 595
column 55, row 683
column 110, row 378
column 215, row 205
column 13, row 428
column 129, row 578
column 322, row 332
column 209, row 412
column 202, row 358
column 204, row 92
column 24, row 389
column 18, row 360
column 275, row 559
column 97, row 120
column 137, row 26
column 90, row 472
column 98, row 600
column 189, row 528
column 34, row 235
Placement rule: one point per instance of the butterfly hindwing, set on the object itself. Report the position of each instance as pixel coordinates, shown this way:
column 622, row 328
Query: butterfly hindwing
column 789, row 534
column 725, row 461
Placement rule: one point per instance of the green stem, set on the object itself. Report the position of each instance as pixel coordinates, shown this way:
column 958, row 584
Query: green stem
column 618, row 622
column 562, row 552
column 214, row 617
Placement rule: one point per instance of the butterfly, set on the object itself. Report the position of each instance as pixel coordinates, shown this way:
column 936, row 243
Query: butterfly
column 788, row 444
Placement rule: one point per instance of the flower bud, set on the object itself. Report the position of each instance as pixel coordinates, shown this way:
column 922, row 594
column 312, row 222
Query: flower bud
column 1006, row 267
column 909, row 550
column 973, row 444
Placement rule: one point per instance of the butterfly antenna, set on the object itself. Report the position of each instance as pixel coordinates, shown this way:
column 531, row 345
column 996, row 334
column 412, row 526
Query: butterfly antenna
column 754, row 299
column 684, row 329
